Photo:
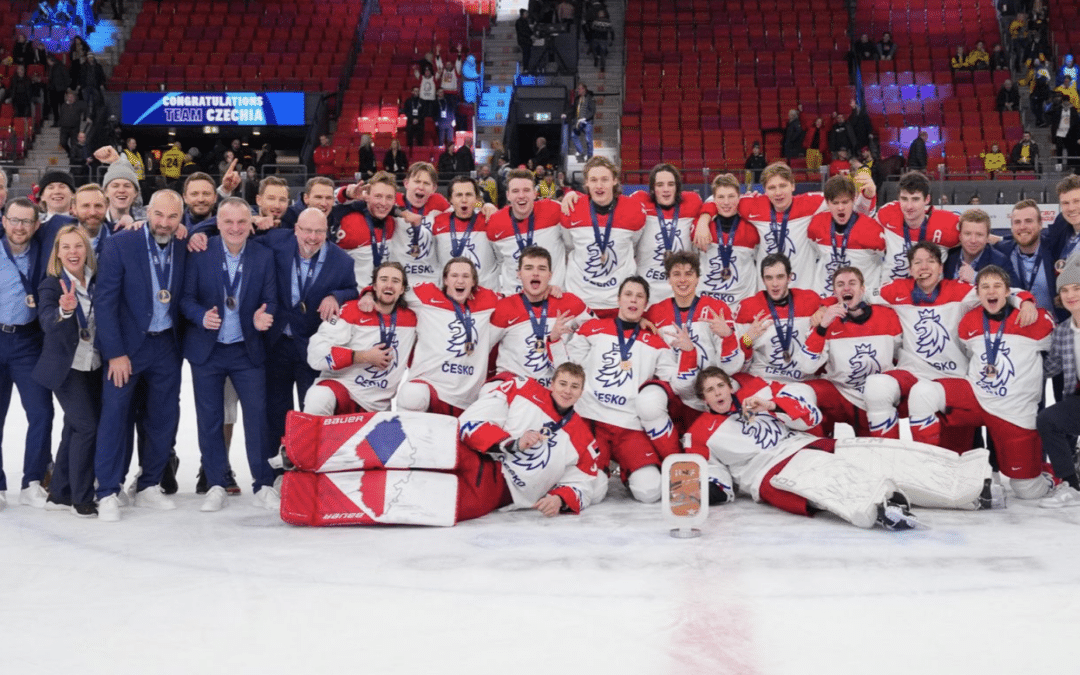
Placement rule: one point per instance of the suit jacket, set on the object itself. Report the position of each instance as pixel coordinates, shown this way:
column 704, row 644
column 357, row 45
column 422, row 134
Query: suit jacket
column 989, row 256
column 61, row 337
column 49, row 230
column 1008, row 246
column 124, row 298
column 205, row 289
column 337, row 278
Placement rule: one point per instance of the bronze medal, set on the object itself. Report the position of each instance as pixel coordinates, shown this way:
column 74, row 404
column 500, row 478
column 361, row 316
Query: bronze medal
column 303, row 307
column 545, row 432
column 725, row 274
column 539, row 346
column 414, row 251
column 626, row 365
column 230, row 302
column 603, row 258
column 989, row 372
column 84, row 334
column 1059, row 265
column 469, row 347
column 30, row 301
column 164, row 296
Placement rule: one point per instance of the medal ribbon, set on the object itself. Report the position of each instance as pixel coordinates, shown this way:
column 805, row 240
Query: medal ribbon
column 231, row 285
column 162, row 263
column 725, row 241
column 80, row 316
column 539, row 326
column 376, row 243
column 304, row 283
column 689, row 313
column 415, row 228
column 457, row 246
column 465, row 317
column 783, row 334
column 992, row 348
column 27, row 286
column 625, row 345
column 922, row 232
column 1036, row 264
column 553, row 427
column 782, row 228
column 920, row 298
column 602, row 241
column 386, row 333
column 842, row 253
column 522, row 243
column 668, row 234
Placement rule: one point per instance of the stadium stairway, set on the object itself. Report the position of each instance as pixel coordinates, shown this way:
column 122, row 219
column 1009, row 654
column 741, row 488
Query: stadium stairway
column 607, row 87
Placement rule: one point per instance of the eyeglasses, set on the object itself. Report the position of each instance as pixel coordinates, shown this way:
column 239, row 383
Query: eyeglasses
column 20, row 222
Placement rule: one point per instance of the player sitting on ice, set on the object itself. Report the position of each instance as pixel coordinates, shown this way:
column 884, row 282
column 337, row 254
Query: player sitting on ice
column 753, row 437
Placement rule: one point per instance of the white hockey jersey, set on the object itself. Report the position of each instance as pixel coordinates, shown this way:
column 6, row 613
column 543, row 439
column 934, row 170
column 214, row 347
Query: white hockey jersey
column 940, row 227
column 330, row 351
column 658, row 239
column 509, row 237
column 563, row 464
column 739, row 278
column 467, row 238
column 414, row 245
column 515, row 333
column 367, row 241
column 861, row 245
column 767, row 358
column 600, row 258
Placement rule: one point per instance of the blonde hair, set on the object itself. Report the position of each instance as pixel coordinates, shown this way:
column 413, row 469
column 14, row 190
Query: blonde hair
column 55, row 267
column 777, row 169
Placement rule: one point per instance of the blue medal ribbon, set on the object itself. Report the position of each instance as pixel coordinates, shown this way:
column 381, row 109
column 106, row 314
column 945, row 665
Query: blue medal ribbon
column 920, row 298
column 386, row 332
column 679, row 321
column 602, row 241
column 464, row 316
column 725, row 241
column 922, row 232
column 304, row 283
column 625, row 345
column 231, row 284
column 1036, row 264
column 80, row 316
column 457, row 246
column 842, row 253
column 551, row 427
column 27, row 286
column 993, row 347
column 539, row 326
column 376, row 243
column 415, row 228
column 783, row 334
column 782, row 227
column 523, row 242
column 668, row 234
column 162, row 262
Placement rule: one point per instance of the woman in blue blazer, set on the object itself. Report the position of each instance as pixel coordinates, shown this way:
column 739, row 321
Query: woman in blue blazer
column 70, row 365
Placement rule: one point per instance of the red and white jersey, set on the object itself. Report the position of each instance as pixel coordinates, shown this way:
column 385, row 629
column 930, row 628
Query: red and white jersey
column 330, row 351
column 862, row 245
column 742, row 448
column 454, row 238
column 1013, row 387
column 767, row 358
column 595, row 266
column 657, row 241
column 711, row 349
column 742, row 278
column 509, row 238
column 942, row 228
column 562, row 464
column 443, row 355
column 520, row 351
column 360, row 237
column 611, row 384
column 852, row 351
column 414, row 245
column 931, row 347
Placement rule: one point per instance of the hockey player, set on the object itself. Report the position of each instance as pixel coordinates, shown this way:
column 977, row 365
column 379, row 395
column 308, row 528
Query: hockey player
column 524, row 222
column 1001, row 387
column 462, row 232
column 752, row 438
column 843, row 238
column 670, row 213
column 453, row 341
column 601, row 233
column 729, row 245
column 912, row 219
column 363, row 355
column 853, row 341
column 782, row 219
column 413, row 245
column 619, row 356
column 930, row 309
column 691, row 322
column 525, row 323
column 365, row 234
column 530, row 450
column 774, row 324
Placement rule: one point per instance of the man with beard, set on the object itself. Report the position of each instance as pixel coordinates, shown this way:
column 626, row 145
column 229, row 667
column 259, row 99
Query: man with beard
column 272, row 201
column 523, row 223
column 1028, row 253
column 362, row 356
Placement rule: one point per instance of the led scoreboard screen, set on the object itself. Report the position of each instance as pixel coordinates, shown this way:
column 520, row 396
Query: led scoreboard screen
column 220, row 109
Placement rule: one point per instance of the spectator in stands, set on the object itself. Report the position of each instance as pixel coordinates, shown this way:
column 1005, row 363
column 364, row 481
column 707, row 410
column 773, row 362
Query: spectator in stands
column 860, row 124
column 1007, row 8
column 21, row 52
column 413, row 110
column 81, row 158
column 841, row 136
column 524, row 31
column 444, row 119
column 39, row 56
column 446, row 166
column 960, row 60
column 755, row 163
column 545, row 184
column 1024, row 154
column 20, row 91
column 999, row 60
column 449, row 77
column 427, row 88
column 497, row 152
column 1067, row 69
column 864, row 49
column 323, row 157
column 366, row 156
column 543, row 155
column 226, row 162
column 562, row 185
column 1068, row 90
column 59, row 83
column 917, row 157
column 564, row 14
column 979, row 59
column 92, row 83
column 601, row 37
column 1008, row 97
column 1040, row 93
column 886, row 48
column 1064, row 129
column 464, row 161
column 793, row 137
column 489, row 187
column 994, row 160
column 470, row 75
column 395, row 161
column 1037, row 48
column 840, row 166
column 975, row 200
column 818, row 145
column 245, row 156
column 76, row 58
column 581, row 114
column 425, row 66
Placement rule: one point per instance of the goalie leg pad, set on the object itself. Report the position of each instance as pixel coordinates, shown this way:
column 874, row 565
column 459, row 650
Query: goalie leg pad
column 928, row 475
column 369, row 498
column 882, row 395
column 652, row 408
column 835, row 485
column 1032, row 488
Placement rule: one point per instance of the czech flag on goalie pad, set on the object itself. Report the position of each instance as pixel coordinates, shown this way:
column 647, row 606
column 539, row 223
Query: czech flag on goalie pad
column 369, row 498
column 403, row 440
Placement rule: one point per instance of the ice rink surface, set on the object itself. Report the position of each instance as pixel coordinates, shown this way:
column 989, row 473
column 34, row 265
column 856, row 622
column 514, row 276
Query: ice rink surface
column 760, row 592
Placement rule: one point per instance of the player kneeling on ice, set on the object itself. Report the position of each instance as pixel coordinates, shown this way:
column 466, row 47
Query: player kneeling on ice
column 753, row 437
column 522, row 446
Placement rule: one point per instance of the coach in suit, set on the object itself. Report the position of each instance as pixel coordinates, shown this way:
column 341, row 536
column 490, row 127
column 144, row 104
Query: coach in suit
column 136, row 298
column 70, row 366
column 21, row 271
column 229, row 301
column 314, row 279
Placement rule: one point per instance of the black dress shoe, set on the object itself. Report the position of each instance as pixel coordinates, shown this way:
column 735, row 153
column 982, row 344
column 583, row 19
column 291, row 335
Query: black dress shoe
column 85, row 510
column 168, row 479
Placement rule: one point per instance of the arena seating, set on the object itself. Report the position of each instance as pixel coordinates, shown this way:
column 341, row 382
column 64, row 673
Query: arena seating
column 17, row 133
column 230, row 45
column 400, row 34
column 730, row 68
column 1064, row 22
column 918, row 90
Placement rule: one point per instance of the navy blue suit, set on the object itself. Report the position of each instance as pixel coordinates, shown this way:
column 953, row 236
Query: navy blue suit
column 124, row 304
column 1007, row 248
column 241, row 362
column 989, row 256
column 288, row 354
column 79, row 393
column 20, row 348
column 50, row 229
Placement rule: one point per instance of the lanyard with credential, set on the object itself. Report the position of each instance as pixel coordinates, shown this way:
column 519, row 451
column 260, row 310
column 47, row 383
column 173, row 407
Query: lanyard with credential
column 162, row 267
column 303, row 282
column 83, row 317
column 27, row 286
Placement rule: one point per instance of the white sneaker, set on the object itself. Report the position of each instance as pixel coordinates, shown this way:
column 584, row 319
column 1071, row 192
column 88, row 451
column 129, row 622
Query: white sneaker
column 216, row 499
column 267, row 498
column 3, row 500
column 154, row 498
column 1061, row 496
column 34, row 495
column 109, row 509
column 122, row 498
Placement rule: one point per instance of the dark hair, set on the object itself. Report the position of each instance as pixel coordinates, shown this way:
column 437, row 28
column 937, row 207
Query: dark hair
column 24, row 203
column 682, row 258
column 914, row 181
column 927, row 246
column 534, row 252
column 993, row 271
column 775, row 259
column 664, row 166
column 704, row 374
column 463, row 179
column 197, row 176
column 635, row 279
column 467, row 261
column 404, row 279
column 839, row 186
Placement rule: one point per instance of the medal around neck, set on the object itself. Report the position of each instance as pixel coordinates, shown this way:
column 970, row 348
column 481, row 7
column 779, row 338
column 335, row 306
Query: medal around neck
column 685, row 499
column 164, row 296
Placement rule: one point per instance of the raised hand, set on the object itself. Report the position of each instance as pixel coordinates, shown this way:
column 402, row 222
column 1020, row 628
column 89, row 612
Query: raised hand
column 231, row 180
column 263, row 321
column 68, row 301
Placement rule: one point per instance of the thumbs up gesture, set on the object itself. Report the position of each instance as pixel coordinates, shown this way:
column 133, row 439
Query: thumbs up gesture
column 263, row 321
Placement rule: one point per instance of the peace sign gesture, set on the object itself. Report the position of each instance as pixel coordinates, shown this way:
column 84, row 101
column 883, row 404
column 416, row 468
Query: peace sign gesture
column 68, row 301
